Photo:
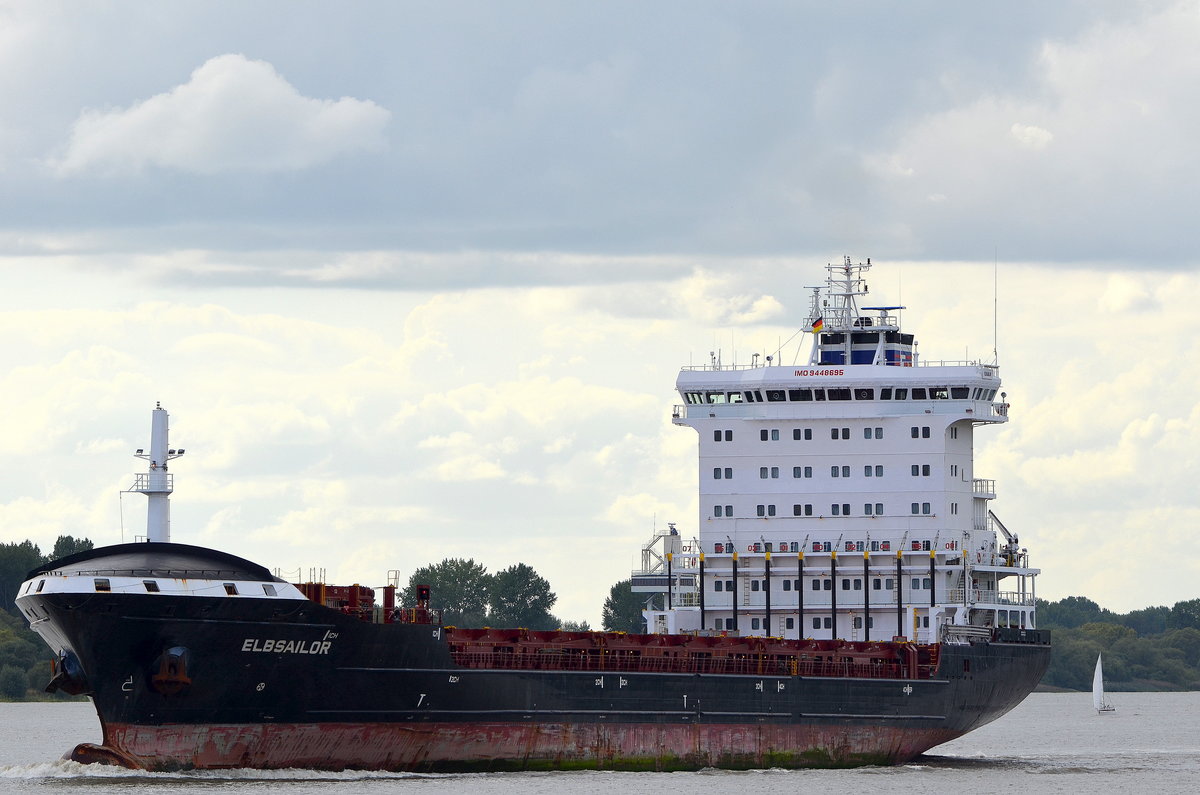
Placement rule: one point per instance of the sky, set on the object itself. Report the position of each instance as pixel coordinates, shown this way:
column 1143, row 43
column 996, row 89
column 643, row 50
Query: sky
column 415, row 279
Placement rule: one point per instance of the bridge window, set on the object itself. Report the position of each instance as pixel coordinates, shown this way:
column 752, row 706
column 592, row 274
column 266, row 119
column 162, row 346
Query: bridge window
column 959, row 392
column 918, row 393
column 939, row 393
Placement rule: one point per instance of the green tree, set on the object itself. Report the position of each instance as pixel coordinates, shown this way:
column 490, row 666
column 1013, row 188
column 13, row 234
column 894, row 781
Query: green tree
column 623, row 609
column 519, row 597
column 575, row 626
column 12, row 683
column 69, row 545
column 1187, row 640
column 458, row 587
column 1185, row 614
column 1148, row 620
column 1106, row 634
column 1073, row 611
column 16, row 560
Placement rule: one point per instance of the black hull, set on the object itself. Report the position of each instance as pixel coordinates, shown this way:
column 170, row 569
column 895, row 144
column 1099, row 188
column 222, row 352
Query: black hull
column 189, row 681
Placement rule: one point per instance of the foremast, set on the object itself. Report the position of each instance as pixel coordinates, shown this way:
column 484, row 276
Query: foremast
column 157, row 483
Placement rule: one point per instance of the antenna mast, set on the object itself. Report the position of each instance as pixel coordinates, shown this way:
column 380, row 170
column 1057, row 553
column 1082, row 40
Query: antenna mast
column 157, row 484
column 995, row 307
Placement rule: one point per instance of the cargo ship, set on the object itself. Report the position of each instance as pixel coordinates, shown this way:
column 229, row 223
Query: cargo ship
column 847, row 597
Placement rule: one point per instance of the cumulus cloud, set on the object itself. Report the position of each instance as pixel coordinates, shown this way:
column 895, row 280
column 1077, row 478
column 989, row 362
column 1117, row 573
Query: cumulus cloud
column 1124, row 293
column 1091, row 156
column 1032, row 137
column 233, row 114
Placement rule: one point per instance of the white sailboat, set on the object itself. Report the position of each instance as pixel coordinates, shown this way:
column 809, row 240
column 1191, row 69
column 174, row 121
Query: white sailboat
column 1098, row 701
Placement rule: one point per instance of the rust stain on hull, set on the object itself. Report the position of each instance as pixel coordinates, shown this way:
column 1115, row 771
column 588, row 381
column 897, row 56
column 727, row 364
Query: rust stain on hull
column 448, row 747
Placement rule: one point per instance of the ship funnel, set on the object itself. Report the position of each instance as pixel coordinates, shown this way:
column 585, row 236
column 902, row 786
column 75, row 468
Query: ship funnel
column 157, row 484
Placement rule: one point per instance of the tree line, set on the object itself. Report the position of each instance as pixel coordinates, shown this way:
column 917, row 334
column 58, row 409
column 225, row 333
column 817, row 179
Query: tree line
column 1155, row 648
column 469, row 596
column 24, row 658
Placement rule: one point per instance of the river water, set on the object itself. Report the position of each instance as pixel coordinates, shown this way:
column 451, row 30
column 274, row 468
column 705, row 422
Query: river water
column 1053, row 742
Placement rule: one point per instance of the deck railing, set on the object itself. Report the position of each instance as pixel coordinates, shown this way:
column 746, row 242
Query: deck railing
column 990, row 597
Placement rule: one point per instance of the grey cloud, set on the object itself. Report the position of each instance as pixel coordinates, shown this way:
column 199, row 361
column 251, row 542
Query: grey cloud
column 671, row 129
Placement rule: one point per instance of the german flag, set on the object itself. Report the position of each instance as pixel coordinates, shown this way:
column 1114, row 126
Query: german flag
column 817, row 325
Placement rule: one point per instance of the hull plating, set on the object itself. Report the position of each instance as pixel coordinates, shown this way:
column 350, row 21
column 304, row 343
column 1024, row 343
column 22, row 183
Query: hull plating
column 446, row 747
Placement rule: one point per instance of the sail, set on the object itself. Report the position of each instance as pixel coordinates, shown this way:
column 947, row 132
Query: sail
column 1098, row 685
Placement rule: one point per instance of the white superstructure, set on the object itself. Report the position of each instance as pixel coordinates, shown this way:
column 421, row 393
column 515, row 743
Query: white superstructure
column 838, row 498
